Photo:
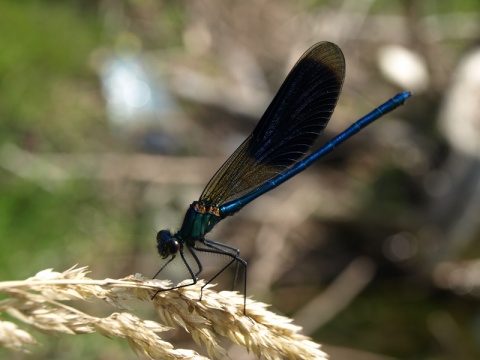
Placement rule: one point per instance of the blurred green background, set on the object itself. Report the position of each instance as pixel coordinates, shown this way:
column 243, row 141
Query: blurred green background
column 114, row 115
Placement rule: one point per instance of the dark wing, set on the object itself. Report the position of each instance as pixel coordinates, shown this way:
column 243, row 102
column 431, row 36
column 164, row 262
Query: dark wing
column 291, row 124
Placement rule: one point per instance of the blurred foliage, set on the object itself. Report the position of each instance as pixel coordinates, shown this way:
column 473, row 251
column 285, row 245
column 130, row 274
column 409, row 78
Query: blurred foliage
column 383, row 196
column 44, row 60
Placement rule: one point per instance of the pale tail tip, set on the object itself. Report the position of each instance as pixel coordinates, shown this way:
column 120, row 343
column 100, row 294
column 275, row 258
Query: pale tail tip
column 402, row 97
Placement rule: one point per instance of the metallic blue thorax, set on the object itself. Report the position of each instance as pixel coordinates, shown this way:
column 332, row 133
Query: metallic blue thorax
column 198, row 221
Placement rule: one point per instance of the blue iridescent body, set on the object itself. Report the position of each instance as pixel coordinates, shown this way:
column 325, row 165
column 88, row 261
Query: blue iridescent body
column 272, row 154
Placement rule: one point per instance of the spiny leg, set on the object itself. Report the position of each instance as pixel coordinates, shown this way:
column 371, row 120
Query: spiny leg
column 164, row 266
column 216, row 248
column 192, row 275
column 197, row 260
column 216, row 244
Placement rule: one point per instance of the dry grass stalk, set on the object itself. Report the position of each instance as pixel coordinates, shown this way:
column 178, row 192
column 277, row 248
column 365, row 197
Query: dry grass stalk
column 41, row 302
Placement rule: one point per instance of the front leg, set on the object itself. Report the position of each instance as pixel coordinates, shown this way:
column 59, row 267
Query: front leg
column 193, row 275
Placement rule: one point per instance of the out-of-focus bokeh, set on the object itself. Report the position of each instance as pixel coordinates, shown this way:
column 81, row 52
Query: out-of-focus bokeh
column 115, row 114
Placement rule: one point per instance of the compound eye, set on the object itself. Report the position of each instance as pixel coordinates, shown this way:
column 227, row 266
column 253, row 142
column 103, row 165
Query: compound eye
column 167, row 244
column 172, row 246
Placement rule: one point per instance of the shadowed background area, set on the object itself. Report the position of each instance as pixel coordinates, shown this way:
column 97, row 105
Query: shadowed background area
column 115, row 114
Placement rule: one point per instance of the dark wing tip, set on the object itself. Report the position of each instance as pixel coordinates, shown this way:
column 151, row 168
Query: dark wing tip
column 329, row 55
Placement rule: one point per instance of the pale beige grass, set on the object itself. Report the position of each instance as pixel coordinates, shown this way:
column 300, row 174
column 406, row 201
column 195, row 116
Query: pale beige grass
column 43, row 302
